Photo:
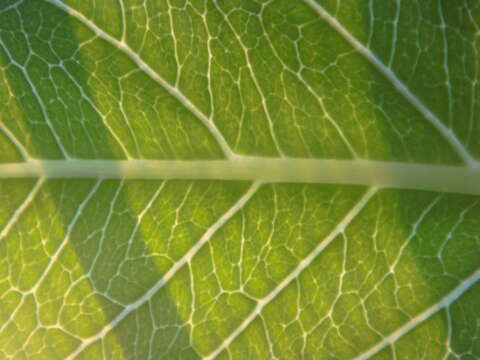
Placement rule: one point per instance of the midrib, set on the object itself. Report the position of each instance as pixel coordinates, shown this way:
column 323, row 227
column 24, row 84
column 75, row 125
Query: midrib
column 444, row 178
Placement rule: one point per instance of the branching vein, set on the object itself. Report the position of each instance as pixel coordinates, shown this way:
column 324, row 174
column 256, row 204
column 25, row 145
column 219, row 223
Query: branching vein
column 173, row 270
column 174, row 91
column 447, row 133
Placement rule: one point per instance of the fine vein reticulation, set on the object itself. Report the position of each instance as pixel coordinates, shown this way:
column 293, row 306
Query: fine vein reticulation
column 372, row 179
column 168, row 275
column 176, row 93
column 446, row 132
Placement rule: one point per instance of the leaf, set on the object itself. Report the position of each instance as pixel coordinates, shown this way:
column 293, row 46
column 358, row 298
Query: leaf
column 239, row 179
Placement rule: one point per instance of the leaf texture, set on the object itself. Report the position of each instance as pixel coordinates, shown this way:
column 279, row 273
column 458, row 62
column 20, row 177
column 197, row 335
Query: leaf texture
column 241, row 179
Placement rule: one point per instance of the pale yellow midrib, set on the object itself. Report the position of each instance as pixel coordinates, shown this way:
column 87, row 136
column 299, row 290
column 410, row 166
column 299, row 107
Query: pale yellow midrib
column 444, row 178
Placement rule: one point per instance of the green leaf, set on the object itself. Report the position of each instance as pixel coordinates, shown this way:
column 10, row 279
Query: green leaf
column 239, row 179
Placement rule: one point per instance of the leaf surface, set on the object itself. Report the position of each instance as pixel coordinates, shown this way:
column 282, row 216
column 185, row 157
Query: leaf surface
column 239, row 179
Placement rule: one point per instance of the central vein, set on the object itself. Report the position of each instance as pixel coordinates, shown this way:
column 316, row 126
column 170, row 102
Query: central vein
column 456, row 179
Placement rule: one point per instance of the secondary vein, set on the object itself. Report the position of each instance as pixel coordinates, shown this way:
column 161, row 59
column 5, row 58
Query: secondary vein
column 447, row 133
column 172, row 90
